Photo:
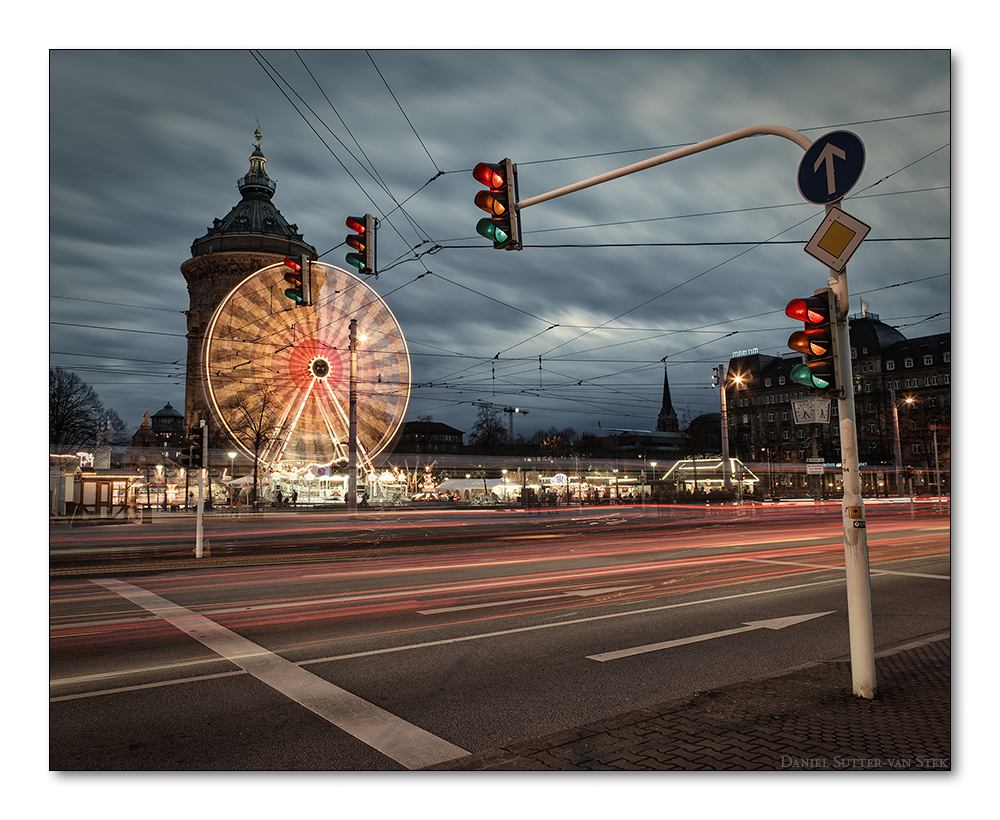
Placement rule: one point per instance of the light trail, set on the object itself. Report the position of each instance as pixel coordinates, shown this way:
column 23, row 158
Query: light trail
column 648, row 579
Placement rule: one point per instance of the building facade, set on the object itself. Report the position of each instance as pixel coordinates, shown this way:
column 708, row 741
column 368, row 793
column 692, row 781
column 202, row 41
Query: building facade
column 887, row 370
column 429, row 438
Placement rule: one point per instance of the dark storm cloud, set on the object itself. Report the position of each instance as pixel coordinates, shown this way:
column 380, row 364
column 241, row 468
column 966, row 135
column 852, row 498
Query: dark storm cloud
column 147, row 147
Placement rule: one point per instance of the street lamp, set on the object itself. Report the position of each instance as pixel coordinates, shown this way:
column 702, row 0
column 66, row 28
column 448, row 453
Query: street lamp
column 737, row 379
column 895, row 427
column 232, row 475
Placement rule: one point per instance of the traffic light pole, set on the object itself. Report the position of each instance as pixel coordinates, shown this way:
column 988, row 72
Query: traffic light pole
column 856, row 562
column 200, row 526
column 352, row 430
column 853, row 511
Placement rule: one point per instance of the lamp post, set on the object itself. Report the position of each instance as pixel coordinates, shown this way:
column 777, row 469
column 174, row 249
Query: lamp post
column 726, row 471
column 352, row 421
column 232, row 475
column 895, row 428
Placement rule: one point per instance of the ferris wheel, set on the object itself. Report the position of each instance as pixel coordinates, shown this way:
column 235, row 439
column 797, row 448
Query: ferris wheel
column 277, row 376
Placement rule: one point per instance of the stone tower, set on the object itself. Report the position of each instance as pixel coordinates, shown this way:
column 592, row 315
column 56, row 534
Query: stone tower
column 251, row 236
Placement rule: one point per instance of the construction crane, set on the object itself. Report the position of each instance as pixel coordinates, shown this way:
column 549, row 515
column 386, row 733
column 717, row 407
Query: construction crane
column 510, row 411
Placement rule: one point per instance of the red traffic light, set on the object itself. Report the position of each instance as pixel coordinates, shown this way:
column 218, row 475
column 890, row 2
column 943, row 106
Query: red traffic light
column 491, row 174
column 363, row 241
column 502, row 226
column 294, row 277
column 817, row 342
column 810, row 310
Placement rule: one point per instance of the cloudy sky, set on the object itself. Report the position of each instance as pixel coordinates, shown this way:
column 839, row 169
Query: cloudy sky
column 677, row 266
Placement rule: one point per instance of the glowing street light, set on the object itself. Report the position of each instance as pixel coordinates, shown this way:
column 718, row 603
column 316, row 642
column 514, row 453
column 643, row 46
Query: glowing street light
column 895, row 428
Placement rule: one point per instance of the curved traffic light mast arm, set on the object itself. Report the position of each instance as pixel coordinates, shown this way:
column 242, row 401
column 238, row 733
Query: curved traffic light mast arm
column 855, row 537
column 742, row 133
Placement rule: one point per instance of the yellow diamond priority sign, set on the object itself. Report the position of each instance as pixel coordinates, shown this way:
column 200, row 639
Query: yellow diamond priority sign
column 837, row 238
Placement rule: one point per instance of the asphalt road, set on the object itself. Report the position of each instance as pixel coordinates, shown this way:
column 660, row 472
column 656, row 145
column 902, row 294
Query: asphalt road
column 401, row 654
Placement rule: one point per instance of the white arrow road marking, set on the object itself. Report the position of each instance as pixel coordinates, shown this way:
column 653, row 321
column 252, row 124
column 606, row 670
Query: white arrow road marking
column 774, row 623
column 582, row 593
column 826, row 156
column 405, row 743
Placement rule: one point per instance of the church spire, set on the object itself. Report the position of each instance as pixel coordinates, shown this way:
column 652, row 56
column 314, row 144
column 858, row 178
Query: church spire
column 666, row 421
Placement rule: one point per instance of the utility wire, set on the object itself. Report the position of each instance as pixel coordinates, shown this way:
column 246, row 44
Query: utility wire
column 401, row 111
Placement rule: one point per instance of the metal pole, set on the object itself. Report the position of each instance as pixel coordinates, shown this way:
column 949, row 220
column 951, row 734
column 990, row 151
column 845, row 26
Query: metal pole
column 937, row 467
column 859, row 605
column 726, row 466
column 895, row 430
column 200, row 526
column 750, row 131
column 352, row 434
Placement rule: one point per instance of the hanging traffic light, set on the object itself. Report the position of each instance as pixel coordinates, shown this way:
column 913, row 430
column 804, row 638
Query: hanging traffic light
column 500, row 202
column 196, row 450
column 819, row 370
column 295, row 278
column 363, row 241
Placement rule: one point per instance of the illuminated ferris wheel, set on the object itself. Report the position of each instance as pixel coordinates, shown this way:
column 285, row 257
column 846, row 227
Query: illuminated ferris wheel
column 277, row 377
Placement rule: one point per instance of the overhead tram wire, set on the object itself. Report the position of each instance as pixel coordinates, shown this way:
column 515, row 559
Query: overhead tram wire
column 662, row 148
column 261, row 59
column 732, row 258
column 401, row 111
column 373, row 170
column 708, row 213
column 439, row 172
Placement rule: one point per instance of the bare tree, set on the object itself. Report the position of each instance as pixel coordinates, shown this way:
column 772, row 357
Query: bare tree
column 489, row 432
column 256, row 421
column 75, row 411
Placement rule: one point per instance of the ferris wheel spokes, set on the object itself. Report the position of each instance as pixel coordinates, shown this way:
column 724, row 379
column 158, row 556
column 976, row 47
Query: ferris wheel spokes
column 366, row 462
column 285, row 433
column 338, row 441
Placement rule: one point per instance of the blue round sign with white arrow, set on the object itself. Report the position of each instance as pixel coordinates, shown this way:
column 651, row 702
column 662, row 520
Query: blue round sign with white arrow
column 830, row 167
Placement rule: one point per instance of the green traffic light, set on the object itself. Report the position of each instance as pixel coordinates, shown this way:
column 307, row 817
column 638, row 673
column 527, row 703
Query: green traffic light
column 356, row 260
column 804, row 375
column 295, row 296
column 492, row 230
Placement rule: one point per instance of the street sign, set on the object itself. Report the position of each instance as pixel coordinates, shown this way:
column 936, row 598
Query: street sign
column 830, row 167
column 837, row 238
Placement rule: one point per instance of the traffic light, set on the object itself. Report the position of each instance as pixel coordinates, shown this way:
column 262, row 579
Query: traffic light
column 500, row 202
column 363, row 241
column 185, row 457
column 196, row 450
column 295, row 278
column 819, row 370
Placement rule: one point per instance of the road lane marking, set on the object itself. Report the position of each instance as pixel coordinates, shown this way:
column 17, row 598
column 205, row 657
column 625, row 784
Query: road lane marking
column 137, row 686
column 555, row 624
column 394, row 737
column 423, row 645
column 749, row 626
column 580, row 593
column 874, row 570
